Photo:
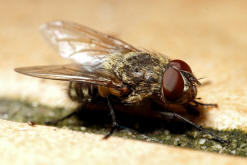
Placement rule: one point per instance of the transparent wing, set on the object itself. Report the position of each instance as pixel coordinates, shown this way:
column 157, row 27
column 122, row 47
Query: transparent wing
column 72, row 72
column 82, row 44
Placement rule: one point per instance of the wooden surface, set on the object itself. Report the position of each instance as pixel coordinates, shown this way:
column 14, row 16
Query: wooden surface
column 48, row 145
column 210, row 35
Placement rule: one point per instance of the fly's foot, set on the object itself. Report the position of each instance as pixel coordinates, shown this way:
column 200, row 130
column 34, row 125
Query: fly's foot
column 115, row 127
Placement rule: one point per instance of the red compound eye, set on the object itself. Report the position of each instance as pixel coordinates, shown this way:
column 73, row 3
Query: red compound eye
column 181, row 65
column 173, row 84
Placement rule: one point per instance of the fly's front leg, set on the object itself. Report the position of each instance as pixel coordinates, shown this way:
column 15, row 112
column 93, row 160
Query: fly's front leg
column 205, row 83
column 192, row 107
column 200, row 128
column 204, row 104
column 196, row 103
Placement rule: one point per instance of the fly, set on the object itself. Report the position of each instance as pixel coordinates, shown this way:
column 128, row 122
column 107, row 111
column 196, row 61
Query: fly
column 115, row 71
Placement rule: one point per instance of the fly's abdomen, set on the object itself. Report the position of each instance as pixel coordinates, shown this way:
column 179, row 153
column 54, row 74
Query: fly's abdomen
column 82, row 91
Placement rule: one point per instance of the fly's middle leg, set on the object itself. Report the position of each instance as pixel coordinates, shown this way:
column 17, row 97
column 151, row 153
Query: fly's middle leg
column 115, row 125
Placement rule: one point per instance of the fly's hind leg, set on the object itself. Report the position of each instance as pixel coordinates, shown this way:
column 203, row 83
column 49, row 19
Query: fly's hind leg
column 55, row 122
column 75, row 93
column 74, row 113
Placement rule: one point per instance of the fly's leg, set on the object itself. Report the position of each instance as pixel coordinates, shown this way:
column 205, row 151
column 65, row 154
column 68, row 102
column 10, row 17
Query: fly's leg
column 192, row 107
column 74, row 113
column 55, row 122
column 75, row 93
column 200, row 128
column 204, row 104
column 115, row 126
column 205, row 83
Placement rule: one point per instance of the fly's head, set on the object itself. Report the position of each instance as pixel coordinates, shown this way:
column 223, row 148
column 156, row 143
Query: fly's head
column 179, row 85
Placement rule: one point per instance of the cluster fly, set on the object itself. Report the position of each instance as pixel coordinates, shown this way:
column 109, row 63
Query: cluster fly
column 111, row 69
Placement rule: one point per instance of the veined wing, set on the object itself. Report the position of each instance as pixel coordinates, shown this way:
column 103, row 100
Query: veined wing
column 82, row 44
column 72, row 72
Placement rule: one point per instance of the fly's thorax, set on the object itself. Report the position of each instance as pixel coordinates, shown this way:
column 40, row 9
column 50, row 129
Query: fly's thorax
column 140, row 71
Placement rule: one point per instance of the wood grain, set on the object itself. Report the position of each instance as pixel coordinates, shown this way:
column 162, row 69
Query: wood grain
column 210, row 35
